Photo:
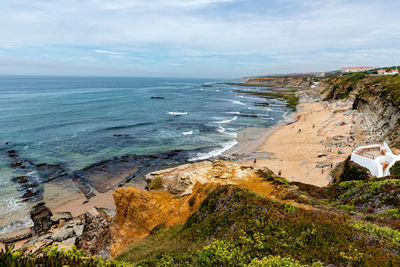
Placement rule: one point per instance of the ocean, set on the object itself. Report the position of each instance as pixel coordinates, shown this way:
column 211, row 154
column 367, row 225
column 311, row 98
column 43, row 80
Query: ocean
column 78, row 121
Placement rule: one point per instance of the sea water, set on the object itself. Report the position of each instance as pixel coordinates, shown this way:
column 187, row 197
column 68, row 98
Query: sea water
column 78, row 121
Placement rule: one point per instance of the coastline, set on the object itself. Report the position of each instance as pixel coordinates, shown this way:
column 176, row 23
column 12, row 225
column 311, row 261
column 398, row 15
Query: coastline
column 315, row 150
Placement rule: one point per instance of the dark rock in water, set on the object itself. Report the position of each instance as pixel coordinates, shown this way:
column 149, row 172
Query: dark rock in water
column 248, row 115
column 262, row 104
column 96, row 235
column 21, row 179
column 28, row 194
column 12, row 153
column 206, row 85
column 41, row 217
column 157, row 97
column 48, row 172
column 7, row 143
column 121, row 135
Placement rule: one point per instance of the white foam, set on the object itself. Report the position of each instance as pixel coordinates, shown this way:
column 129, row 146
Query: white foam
column 237, row 102
column 187, row 133
column 224, row 147
column 177, row 113
column 226, row 121
column 233, row 112
column 220, row 129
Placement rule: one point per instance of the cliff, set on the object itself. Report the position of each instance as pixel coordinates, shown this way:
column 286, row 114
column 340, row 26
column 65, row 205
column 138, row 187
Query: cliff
column 291, row 82
column 377, row 98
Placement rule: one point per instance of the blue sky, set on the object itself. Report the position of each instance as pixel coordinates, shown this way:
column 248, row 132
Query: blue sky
column 195, row 38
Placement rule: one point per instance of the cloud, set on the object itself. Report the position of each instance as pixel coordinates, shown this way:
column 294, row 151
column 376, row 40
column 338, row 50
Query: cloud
column 107, row 52
column 203, row 37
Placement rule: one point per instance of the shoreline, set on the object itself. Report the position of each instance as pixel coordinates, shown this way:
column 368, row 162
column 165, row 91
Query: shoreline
column 314, row 152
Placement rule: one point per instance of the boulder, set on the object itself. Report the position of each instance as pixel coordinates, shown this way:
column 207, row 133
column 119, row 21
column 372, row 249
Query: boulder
column 96, row 236
column 70, row 241
column 16, row 236
column 57, row 216
column 63, row 234
column 78, row 230
column 40, row 215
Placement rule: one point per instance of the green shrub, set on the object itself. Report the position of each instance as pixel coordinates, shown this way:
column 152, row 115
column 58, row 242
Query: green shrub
column 155, row 184
column 395, row 169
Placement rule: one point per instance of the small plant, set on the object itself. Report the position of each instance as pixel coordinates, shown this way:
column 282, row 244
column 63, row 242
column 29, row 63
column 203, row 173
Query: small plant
column 155, row 184
column 395, row 169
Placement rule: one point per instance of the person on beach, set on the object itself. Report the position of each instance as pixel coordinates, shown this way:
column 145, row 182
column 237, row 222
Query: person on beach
column 299, row 131
column 279, row 172
column 322, row 170
column 313, row 125
column 255, row 161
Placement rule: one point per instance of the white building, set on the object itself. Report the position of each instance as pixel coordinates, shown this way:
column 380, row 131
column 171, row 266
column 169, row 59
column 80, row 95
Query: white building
column 378, row 158
column 357, row 69
column 388, row 72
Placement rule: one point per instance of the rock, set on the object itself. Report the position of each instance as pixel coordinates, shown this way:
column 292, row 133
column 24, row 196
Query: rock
column 57, row 216
column 70, row 241
column 157, row 97
column 96, row 234
column 12, row 153
column 63, row 234
column 16, row 236
column 322, row 164
column 40, row 216
column 35, row 248
column 21, row 179
column 320, row 155
column 78, row 229
column 138, row 212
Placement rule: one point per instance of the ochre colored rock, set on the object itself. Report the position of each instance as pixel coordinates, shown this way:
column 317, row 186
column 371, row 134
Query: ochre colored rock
column 139, row 212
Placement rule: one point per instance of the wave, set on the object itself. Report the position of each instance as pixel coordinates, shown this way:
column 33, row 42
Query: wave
column 187, row 133
column 226, row 121
column 119, row 127
column 221, row 129
column 177, row 113
column 224, row 147
column 237, row 102
column 233, row 112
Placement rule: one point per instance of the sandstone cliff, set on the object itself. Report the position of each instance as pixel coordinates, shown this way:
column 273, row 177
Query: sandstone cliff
column 377, row 98
column 139, row 212
column 291, row 82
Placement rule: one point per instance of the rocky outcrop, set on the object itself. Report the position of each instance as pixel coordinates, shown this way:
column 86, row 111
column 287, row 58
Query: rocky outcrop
column 291, row 82
column 95, row 236
column 375, row 99
column 139, row 212
column 180, row 180
column 41, row 217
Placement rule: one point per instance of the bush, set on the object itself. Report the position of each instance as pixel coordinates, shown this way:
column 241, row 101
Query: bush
column 155, row 184
column 395, row 169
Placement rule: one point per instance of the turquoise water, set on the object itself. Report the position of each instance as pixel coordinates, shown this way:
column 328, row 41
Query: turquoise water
column 77, row 121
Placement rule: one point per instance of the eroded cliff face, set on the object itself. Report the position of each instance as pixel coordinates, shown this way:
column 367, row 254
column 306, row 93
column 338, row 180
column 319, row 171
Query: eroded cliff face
column 375, row 97
column 139, row 212
column 291, row 82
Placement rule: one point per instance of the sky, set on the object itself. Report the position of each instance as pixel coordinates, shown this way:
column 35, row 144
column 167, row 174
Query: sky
column 195, row 38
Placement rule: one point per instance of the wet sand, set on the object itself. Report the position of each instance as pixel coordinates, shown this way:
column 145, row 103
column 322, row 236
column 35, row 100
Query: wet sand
column 297, row 153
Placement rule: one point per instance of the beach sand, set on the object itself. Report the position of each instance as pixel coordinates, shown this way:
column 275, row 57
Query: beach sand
column 296, row 154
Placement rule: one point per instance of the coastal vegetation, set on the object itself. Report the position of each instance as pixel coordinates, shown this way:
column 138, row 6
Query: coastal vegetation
column 235, row 227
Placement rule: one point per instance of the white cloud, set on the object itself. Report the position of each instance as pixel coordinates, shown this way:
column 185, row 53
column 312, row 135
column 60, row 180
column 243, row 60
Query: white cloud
column 268, row 35
column 100, row 51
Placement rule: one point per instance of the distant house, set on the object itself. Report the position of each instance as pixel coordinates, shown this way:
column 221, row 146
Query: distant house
column 378, row 158
column 393, row 72
column 382, row 72
column 357, row 69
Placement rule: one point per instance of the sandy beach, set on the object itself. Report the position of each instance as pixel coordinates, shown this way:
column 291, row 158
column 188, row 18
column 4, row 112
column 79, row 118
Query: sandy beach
column 317, row 137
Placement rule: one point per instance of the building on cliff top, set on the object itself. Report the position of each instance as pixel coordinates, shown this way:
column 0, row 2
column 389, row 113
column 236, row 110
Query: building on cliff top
column 357, row 69
column 378, row 158
column 388, row 72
